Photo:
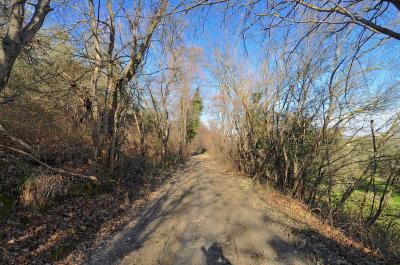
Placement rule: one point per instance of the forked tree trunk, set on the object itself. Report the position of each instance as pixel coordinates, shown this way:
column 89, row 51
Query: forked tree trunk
column 136, row 58
column 18, row 35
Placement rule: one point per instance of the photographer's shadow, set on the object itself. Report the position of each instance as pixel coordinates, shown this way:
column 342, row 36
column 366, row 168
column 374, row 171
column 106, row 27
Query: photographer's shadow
column 215, row 255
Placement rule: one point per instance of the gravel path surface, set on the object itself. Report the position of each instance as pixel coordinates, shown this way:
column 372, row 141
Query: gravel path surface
column 203, row 215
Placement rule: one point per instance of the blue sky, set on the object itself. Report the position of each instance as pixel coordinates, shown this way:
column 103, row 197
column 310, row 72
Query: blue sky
column 213, row 28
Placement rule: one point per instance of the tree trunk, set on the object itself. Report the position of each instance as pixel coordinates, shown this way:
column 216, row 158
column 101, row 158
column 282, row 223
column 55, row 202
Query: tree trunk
column 8, row 55
column 95, row 122
column 114, row 129
column 165, row 142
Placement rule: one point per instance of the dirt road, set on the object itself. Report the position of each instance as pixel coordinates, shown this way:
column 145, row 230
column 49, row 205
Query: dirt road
column 204, row 215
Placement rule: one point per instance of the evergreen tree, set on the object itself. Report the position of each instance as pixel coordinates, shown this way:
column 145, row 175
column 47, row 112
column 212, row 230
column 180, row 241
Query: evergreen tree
column 196, row 107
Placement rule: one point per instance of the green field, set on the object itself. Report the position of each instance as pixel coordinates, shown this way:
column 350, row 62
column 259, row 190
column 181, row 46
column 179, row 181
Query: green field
column 380, row 183
column 354, row 202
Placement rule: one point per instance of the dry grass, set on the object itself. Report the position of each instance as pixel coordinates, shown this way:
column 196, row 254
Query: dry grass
column 39, row 191
column 301, row 213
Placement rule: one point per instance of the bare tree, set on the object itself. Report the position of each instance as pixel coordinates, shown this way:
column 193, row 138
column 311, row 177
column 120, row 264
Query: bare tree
column 141, row 44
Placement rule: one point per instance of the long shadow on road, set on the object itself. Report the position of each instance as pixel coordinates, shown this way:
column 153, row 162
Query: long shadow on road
column 152, row 216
